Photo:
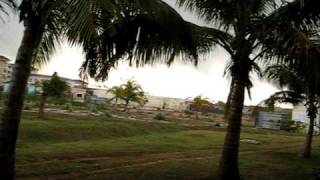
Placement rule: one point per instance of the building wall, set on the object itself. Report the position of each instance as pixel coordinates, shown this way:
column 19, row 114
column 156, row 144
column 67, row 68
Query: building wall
column 270, row 120
column 30, row 89
column 166, row 103
column 78, row 94
column 4, row 69
column 78, row 87
column 101, row 93
column 154, row 102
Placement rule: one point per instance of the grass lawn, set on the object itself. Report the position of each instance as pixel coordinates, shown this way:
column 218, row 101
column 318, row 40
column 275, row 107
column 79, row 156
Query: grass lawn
column 80, row 147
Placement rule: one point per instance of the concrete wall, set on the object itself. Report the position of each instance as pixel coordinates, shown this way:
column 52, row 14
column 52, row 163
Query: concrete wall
column 167, row 103
column 154, row 102
column 78, row 88
column 269, row 120
column 4, row 69
column 101, row 93
column 31, row 88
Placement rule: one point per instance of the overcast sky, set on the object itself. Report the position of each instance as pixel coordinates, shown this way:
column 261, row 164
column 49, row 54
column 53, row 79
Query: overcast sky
column 179, row 80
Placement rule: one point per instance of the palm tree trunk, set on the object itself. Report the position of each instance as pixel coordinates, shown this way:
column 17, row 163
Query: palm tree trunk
column 306, row 152
column 227, row 106
column 42, row 104
column 10, row 119
column 126, row 106
column 228, row 167
column 312, row 111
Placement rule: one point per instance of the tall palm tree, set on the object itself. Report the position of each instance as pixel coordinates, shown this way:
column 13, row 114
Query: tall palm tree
column 108, row 28
column 253, row 28
column 301, row 88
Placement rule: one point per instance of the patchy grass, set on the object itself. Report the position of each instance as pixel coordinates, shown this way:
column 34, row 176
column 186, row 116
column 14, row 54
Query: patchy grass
column 80, row 147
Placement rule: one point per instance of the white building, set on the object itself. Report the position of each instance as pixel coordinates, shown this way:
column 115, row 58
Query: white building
column 166, row 103
column 78, row 87
column 5, row 69
column 101, row 93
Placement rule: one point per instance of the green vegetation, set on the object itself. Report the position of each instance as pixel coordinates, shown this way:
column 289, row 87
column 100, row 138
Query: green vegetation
column 160, row 116
column 301, row 88
column 82, row 147
column 131, row 91
column 141, row 31
column 54, row 88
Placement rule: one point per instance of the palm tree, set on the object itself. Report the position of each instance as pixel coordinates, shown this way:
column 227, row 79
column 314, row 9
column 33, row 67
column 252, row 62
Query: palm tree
column 132, row 92
column 107, row 30
column 301, row 88
column 117, row 92
column 6, row 4
column 250, row 27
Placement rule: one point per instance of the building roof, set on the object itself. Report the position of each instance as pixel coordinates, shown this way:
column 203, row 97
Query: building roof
column 3, row 58
column 63, row 78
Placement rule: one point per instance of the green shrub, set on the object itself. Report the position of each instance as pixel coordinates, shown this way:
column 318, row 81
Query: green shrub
column 292, row 126
column 33, row 98
column 101, row 107
column 79, row 104
column 27, row 107
column 107, row 114
column 94, row 109
column 58, row 101
column 189, row 112
column 160, row 116
column 68, row 107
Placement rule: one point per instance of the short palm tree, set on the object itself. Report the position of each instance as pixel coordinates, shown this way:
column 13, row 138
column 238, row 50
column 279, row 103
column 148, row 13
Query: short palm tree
column 251, row 30
column 132, row 92
column 107, row 30
column 116, row 92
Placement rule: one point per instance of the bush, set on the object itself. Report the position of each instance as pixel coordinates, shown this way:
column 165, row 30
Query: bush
column 58, row 101
column 292, row 126
column 68, row 107
column 107, row 114
column 94, row 109
column 79, row 104
column 188, row 112
column 33, row 98
column 160, row 116
column 27, row 107
column 101, row 107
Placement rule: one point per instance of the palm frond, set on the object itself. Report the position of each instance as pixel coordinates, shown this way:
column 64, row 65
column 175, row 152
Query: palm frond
column 143, row 36
column 301, row 13
column 208, row 37
column 53, row 35
column 226, row 13
column 285, row 97
column 7, row 5
column 285, row 77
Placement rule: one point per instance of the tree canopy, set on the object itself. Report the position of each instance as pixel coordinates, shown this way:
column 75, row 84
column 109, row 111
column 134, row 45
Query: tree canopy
column 131, row 91
column 55, row 87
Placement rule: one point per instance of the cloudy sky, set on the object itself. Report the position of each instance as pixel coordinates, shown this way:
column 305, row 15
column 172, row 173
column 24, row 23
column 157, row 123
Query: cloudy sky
column 179, row 80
